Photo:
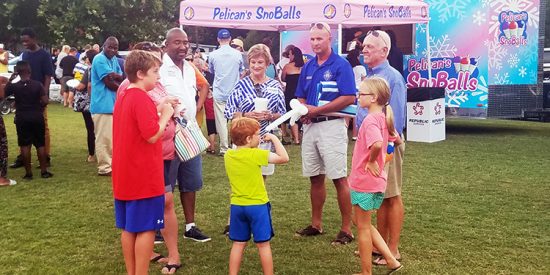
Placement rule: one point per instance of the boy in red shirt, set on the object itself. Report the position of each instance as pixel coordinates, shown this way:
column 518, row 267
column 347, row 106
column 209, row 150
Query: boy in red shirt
column 138, row 180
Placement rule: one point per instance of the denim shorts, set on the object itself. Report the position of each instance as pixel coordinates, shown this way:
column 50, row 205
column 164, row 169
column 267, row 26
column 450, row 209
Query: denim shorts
column 140, row 215
column 250, row 219
column 187, row 174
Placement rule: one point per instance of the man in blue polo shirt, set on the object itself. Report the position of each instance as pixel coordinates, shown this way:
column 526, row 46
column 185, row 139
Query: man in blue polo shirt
column 327, row 77
column 389, row 221
column 106, row 77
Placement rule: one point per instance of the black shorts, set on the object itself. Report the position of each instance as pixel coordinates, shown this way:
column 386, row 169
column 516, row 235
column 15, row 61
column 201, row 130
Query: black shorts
column 211, row 126
column 31, row 132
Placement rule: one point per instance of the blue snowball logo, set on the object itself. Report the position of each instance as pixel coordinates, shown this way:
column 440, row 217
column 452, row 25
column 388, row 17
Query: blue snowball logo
column 329, row 11
column 189, row 13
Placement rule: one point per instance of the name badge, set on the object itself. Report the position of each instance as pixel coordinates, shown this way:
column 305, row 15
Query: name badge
column 309, row 77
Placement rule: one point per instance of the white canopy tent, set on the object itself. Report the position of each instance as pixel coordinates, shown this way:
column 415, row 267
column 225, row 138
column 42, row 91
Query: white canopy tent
column 272, row 15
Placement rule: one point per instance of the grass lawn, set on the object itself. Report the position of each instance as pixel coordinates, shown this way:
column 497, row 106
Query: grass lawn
column 476, row 203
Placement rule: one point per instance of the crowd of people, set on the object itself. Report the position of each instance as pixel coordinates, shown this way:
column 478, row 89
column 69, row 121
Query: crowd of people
column 129, row 107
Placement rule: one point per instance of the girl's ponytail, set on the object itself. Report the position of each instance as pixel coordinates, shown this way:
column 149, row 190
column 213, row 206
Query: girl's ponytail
column 389, row 119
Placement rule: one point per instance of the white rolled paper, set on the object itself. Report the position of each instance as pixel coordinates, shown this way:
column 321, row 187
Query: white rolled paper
column 297, row 110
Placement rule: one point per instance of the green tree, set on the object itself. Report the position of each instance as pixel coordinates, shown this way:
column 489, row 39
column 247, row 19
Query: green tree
column 77, row 22
column 18, row 14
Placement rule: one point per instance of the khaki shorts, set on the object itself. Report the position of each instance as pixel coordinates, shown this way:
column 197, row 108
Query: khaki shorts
column 325, row 149
column 394, row 171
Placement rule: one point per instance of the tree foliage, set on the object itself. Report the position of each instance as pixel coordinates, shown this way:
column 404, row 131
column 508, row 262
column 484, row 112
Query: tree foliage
column 90, row 21
column 80, row 22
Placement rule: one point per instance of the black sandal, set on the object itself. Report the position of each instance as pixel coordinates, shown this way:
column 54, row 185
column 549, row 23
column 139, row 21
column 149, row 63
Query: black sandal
column 157, row 258
column 170, row 267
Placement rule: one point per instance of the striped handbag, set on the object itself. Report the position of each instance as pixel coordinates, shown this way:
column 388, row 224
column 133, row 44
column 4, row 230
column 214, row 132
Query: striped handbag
column 189, row 140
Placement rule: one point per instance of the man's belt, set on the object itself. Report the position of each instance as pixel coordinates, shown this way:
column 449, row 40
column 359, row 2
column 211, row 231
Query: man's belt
column 323, row 118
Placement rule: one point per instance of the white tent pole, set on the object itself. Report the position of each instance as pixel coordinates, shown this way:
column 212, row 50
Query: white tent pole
column 339, row 39
column 429, row 54
column 281, row 45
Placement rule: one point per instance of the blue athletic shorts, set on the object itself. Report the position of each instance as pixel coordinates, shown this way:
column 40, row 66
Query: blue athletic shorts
column 367, row 201
column 188, row 174
column 140, row 215
column 251, row 219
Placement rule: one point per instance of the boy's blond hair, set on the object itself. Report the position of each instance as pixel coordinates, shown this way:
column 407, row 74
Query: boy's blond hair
column 241, row 128
column 139, row 60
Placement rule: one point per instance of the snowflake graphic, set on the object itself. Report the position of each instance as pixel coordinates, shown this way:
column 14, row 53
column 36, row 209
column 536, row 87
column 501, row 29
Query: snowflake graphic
column 485, row 3
column 528, row 54
column 479, row 18
column 456, row 98
column 501, row 79
column 441, row 47
column 522, row 72
column 513, row 5
column 513, row 60
column 496, row 53
column 421, row 28
column 482, row 91
column 449, row 9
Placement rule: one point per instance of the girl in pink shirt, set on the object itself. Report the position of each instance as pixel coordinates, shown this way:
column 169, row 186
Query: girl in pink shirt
column 368, row 178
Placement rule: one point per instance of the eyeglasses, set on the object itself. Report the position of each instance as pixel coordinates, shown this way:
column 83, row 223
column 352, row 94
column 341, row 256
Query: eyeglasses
column 321, row 26
column 258, row 90
column 363, row 94
column 375, row 33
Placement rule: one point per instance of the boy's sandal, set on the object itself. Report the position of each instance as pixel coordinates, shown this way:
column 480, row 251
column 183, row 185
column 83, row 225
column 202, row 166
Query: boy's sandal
column 342, row 238
column 167, row 269
column 308, row 232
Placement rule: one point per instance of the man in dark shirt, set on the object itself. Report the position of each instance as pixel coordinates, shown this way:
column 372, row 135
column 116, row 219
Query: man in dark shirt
column 41, row 71
column 67, row 64
column 30, row 99
column 395, row 56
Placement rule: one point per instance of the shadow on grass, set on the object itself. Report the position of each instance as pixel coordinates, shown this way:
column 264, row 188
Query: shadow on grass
column 483, row 127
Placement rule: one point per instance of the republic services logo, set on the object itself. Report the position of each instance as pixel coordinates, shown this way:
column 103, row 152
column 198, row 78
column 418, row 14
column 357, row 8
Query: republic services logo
column 437, row 108
column 329, row 11
column 347, row 10
column 418, row 109
column 189, row 13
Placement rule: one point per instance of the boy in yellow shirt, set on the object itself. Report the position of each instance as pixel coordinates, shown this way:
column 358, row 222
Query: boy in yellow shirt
column 250, row 207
